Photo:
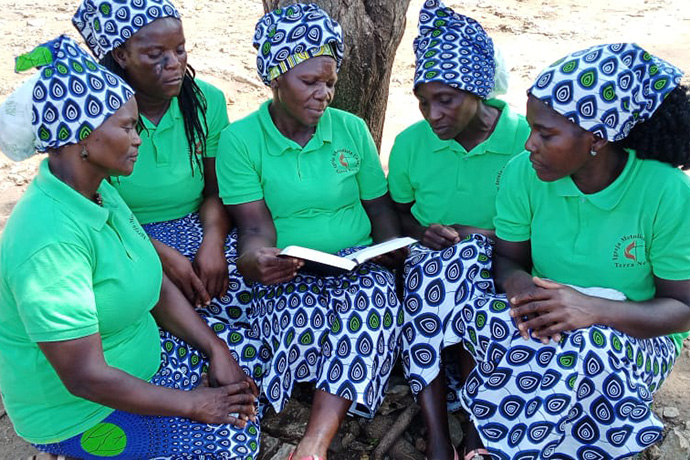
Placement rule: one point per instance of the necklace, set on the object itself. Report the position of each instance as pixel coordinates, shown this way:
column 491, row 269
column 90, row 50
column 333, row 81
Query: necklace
column 98, row 199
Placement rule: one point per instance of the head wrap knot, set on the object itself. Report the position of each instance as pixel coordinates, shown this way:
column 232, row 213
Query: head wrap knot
column 63, row 103
column 292, row 34
column 607, row 89
column 107, row 24
column 453, row 49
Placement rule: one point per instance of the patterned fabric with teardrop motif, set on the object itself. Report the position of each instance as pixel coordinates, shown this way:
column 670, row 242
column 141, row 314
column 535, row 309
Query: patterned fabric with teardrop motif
column 290, row 35
column 72, row 96
column 607, row 89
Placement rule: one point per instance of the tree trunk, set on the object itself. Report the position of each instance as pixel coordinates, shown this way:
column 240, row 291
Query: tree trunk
column 372, row 31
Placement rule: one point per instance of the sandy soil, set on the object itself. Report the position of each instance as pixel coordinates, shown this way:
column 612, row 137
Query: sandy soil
column 531, row 33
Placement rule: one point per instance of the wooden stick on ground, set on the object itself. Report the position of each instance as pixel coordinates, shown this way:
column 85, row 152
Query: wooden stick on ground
column 395, row 431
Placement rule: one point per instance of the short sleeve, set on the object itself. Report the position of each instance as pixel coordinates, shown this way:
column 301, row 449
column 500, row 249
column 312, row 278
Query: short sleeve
column 53, row 290
column 238, row 177
column 513, row 219
column 216, row 118
column 399, row 174
column 370, row 178
column 669, row 253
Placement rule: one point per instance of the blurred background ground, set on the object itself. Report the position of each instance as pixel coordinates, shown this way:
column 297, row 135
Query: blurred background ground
column 531, row 34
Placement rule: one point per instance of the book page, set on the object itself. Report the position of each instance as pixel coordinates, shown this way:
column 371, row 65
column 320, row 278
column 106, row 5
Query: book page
column 365, row 254
column 320, row 257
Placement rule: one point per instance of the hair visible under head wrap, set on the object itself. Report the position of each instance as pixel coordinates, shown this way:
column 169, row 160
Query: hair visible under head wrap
column 455, row 50
column 607, row 89
column 290, row 35
column 107, row 24
column 69, row 98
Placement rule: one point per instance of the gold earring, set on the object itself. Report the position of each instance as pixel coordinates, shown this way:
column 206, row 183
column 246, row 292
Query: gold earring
column 84, row 154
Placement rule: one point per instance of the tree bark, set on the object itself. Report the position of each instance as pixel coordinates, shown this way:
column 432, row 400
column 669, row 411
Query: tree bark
column 372, row 31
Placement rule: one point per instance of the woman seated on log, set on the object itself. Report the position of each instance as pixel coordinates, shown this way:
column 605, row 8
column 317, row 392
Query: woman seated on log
column 84, row 370
column 297, row 172
column 444, row 176
column 173, row 190
column 593, row 257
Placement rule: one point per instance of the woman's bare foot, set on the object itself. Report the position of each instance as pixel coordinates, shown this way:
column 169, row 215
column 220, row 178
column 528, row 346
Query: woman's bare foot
column 472, row 442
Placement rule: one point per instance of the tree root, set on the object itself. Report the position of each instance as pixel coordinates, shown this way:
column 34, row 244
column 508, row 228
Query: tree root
column 395, row 431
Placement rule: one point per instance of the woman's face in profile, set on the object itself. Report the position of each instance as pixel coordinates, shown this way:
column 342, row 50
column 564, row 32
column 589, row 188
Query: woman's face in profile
column 558, row 147
column 113, row 147
column 155, row 59
column 448, row 110
column 305, row 91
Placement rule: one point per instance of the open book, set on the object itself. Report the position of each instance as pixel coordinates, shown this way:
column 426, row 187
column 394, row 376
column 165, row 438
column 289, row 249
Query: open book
column 325, row 264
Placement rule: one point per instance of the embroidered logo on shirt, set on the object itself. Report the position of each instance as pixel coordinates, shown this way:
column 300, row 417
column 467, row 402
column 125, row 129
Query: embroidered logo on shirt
column 137, row 228
column 344, row 160
column 630, row 251
column 498, row 177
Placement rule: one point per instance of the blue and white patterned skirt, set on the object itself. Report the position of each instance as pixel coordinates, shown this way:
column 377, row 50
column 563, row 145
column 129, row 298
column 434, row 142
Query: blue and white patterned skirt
column 437, row 284
column 185, row 235
column 123, row 435
column 587, row 397
column 340, row 332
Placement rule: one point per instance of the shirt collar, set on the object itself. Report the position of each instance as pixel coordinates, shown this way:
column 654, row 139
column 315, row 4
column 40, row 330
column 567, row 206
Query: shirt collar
column 279, row 144
column 169, row 118
column 501, row 144
column 80, row 208
column 606, row 199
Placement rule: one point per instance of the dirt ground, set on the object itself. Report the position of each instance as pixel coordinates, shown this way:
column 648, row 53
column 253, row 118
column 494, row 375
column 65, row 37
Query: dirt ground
column 531, row 34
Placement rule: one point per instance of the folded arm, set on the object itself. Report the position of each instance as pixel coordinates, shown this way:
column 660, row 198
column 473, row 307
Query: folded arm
column 173, row 314
column 81, row 366
column 546, row 308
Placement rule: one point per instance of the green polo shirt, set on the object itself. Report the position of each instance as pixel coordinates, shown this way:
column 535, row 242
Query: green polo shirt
column 313, row 193
column 69, row 269
column 619, row 238
column 162, row 186
column 447, row 184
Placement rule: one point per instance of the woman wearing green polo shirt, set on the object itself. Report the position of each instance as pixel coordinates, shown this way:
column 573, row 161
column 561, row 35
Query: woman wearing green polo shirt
column 84, row 370
column 593, row 255
column 173, row 190
column 299, row 172
column 443, row 176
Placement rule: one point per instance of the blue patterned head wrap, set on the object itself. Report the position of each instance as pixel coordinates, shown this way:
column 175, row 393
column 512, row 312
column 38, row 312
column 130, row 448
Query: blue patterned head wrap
column 69, row 98
column 290, row 35
column 607, row 89
column 107, row 24
column 453, row 49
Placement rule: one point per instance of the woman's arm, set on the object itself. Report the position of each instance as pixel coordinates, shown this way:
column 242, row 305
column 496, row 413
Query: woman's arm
column 512, row 267
column 172, row 313
column 210, row 263
column 258, row 257
column 546, row 308
column 181, row 272
column 560, row 308
column 385, row 224
column 435, row 236
column 81, row 366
